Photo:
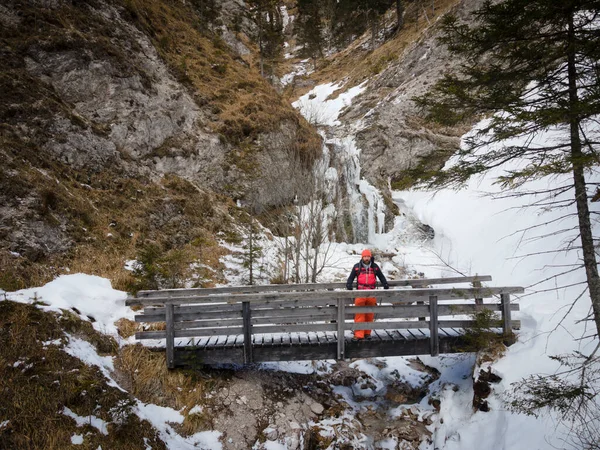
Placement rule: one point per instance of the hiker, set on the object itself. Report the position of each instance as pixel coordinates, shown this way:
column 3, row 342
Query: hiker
column 365, row 272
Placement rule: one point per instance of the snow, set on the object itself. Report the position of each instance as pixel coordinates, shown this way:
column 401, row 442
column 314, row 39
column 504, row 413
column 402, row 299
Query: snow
column 474, row 234
column 319, row 109
column 77, row 439
column 161, row 417
column 94, row 421
column 86, row 352
column 91, row 295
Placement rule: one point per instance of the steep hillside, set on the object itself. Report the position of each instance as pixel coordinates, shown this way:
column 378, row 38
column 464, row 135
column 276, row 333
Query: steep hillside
column 128, row 122
column 392, row 137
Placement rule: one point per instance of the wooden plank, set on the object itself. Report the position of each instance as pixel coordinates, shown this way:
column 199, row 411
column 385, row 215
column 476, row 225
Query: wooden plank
column 170, row 337
column 388, row 311
column 173, row 293
column 294, row 339
column 413, row 311
column 477, row 284
column 292, row 318
column 506, row 322
column 247, row 332
column 199, row 324
column 443, row 332
column 190, row 309
column 189, row 333
column 434, row 343
column 327, row 297
column 398, row 325
column 341, row 307
column 187, row 317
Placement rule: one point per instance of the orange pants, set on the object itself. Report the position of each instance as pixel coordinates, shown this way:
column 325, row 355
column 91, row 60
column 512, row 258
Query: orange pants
column 364, row 317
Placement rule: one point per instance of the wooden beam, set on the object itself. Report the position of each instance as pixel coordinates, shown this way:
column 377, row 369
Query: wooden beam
column 170, row 337
column 247, row 333
column 191, row 357
column 419, row 282
column 434, row 343
column 323, row 313
column 328, row 297
column 341, row 346
column 506, row 322
column 477, row 284
column 278, row 329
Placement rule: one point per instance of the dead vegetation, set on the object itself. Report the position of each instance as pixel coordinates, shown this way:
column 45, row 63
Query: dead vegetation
column 243, row 104
column 145, row 375
column 38, row 380
column 357, row 62
column 100, row 219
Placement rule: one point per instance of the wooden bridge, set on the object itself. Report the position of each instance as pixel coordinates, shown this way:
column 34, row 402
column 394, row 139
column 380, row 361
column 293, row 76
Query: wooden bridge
column 247, row 324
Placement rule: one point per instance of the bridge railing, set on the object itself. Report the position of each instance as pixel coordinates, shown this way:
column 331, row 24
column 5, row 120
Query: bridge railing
column 324, row 307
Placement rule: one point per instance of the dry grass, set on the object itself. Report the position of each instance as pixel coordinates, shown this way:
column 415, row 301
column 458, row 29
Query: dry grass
column 127, row 328
column 244, row 103
column 37, row 381
column 107, row 217
column 356, row 64
column 145, row 374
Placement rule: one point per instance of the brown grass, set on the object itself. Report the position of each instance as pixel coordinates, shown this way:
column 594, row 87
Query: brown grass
column 38, row 380
column 127, row 328
column 146, row 376
column 83, row 204
column 357, row 64
column 244, row 102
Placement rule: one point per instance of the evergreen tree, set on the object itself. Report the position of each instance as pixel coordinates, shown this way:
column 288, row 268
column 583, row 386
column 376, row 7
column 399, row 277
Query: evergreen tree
column 208, row 12
column 348, row 22
column 530, row 66
column 309, row 28
column 266, row 14
column 399, row 14
column 354, row 17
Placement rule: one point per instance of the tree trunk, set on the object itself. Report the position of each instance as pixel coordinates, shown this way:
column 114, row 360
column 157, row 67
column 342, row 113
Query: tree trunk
column 260, row 42
column 373, row 29
column 399, row 15
column 581, row 198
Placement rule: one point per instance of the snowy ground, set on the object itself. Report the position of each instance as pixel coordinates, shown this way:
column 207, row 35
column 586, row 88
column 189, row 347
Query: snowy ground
column 479, row 230
column 474, row 235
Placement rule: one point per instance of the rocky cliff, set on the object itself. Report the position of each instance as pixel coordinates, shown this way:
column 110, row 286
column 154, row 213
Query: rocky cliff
column 102, row 101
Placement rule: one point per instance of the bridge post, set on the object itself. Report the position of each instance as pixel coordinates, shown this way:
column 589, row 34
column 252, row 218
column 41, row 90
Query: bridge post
column 170, row 341
column 434, row 341
column 341, row 342
column 247, row 332
column 506, row 315
column 477, row 284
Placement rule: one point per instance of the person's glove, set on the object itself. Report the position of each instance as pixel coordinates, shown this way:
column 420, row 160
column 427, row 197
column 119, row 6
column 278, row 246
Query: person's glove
column 386, row 286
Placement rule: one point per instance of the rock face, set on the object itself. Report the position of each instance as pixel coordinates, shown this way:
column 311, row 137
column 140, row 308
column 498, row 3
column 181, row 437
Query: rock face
column 391, row 138
column 92, row 97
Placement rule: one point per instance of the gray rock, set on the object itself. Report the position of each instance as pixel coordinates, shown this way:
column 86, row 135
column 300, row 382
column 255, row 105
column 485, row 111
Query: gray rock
column 317, row 408
column 392, row 138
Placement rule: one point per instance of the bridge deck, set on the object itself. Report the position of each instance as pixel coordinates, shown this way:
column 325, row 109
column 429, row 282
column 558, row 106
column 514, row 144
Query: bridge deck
column 308, row 346
column 248, row 324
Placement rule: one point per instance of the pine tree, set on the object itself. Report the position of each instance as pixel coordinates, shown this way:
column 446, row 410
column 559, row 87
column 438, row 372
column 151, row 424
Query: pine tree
column 208, row 12
column 269, row 22
column 309, row 28
column 530, row 66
